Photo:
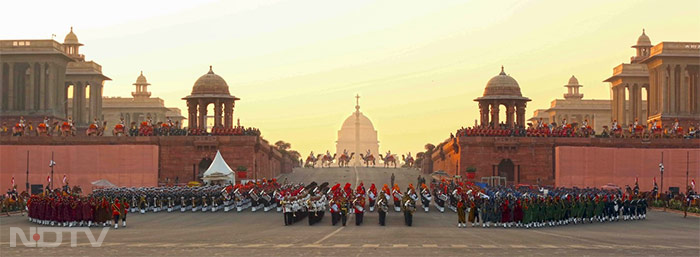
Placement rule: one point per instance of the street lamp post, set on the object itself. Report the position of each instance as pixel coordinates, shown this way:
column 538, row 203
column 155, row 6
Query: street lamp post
column 27, row 184
column 661, row 168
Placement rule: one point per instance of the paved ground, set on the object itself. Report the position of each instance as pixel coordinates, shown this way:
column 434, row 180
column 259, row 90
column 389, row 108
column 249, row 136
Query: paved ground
column 263, row 234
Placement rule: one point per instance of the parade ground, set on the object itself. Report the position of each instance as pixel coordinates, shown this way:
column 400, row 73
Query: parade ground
column 264, row 234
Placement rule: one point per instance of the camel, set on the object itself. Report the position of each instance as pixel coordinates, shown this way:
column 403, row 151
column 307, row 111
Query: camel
column 389, row 160
column 145, row 129
column 409, row 162
column 368, row 159
column 93, row 130
column 119, row 130
column 344, row 160
column 67, row 129
column 312, row 160
column 17, row 130
column 43, row 129
column 327, row 161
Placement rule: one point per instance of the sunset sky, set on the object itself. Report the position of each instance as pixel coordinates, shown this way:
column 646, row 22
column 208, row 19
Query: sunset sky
column 298, row 64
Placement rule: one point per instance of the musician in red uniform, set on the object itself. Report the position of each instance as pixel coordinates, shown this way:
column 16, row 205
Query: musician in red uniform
column 359, row 206
column 116, row 209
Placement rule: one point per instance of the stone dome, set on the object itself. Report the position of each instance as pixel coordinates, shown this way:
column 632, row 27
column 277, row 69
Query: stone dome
column 573, row 80
column 349, row 123
column 643, row 40
column 71, row 38
column 210, row 84
column 502, row 85
column 141, row 79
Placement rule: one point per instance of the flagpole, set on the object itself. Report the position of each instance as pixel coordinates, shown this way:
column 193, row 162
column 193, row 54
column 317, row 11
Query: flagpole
column 27, row 184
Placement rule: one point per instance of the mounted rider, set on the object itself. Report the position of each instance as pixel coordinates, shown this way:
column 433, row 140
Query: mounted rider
column 22, row 122
column 96, row 122
column 328, row 154
column 564, row 123
column 675, row 125
column 170, row 122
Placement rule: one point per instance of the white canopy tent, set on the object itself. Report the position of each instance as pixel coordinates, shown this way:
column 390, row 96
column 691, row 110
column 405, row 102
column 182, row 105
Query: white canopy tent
column 219, row 172
column 103, row 183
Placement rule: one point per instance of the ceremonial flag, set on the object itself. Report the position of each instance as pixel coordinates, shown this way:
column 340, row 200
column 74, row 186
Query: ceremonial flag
column 48, row 179
column 13, row 181
column 636, row 180
column 64, row 179
column 692, row 183
column 654, row 181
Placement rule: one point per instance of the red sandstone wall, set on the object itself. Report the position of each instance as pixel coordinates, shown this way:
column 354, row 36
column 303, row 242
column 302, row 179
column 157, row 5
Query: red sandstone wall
column 123, row 165
column 532, row 158
column 597, row 166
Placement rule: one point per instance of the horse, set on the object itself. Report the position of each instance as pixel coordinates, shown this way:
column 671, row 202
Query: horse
column 19, row 204
column 344, row 160
column 368, row 159
column 77, row 190
column 327, row 160
column 389, row 160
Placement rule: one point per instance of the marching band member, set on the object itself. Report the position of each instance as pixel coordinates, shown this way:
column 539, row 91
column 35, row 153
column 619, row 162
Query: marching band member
column 382, row 208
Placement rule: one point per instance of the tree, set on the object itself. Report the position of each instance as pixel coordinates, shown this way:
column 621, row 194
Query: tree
column 283, row 146
column 294, row 154
column 429, row 147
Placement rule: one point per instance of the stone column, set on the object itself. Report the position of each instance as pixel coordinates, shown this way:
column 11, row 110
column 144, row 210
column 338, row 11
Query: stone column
column 520, row 111
column 91, row 103
column 510, row 115
column 191, row 114
column 202, row 115
column 684, row 90
column 494, row 115
column 228, row 114
column 483, row 114
column 51, row 88
column 672, row 87
column 623, row 106
column 217, row 113
column 42, row 87
column 11, row 87
column 29, row 88
column 100, row 88
column 638, row 103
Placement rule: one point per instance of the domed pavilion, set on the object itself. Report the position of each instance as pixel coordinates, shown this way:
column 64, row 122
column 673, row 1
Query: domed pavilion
column 210, row 89
column 502, row 90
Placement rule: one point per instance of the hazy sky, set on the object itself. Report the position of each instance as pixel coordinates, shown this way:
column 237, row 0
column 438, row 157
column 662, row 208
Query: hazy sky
column 298, row 64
